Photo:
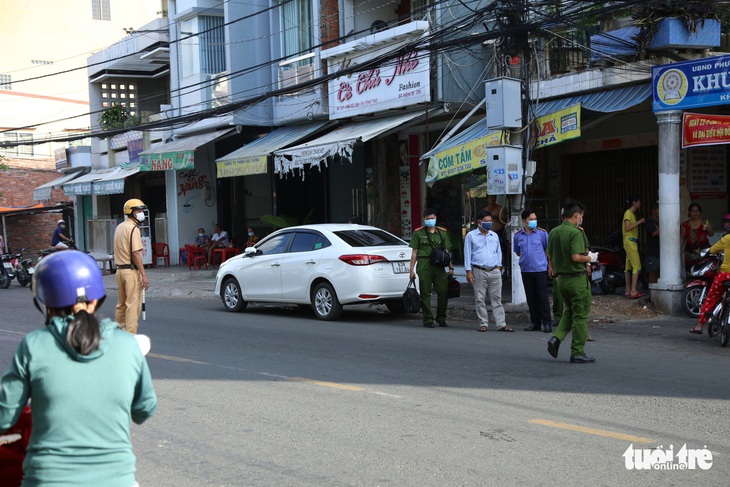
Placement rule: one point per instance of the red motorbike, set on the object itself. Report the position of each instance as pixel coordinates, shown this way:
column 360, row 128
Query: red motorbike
column 701, row 276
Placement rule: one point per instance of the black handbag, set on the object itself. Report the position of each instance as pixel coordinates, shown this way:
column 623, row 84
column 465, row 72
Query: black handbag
column 439, row 255
column 454, row 288
column 411, row 299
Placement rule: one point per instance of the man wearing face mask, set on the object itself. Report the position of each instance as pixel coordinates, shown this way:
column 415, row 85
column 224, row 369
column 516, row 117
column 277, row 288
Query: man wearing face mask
column 530, row 244
column 59, row 240
column 483, row 265
column 131, row 276
column 430, row 275
column 567, row 251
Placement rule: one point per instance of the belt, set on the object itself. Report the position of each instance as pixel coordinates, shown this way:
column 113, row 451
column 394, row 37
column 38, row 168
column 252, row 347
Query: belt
column 571, row 274
column 488, row 269
column 126, row 266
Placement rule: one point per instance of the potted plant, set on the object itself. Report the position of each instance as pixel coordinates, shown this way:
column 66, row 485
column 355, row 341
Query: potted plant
column 676, row 23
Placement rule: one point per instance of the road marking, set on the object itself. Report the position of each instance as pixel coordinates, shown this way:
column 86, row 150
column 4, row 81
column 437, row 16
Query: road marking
column 591, row 431
column 333, row 385
column 14, row 332
column 176, row 359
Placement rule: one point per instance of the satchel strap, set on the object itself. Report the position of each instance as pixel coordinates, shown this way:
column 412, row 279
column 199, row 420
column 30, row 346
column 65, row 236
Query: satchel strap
column 428, row 235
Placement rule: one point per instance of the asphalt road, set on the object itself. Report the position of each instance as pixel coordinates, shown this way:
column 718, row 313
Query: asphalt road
column 273, row 397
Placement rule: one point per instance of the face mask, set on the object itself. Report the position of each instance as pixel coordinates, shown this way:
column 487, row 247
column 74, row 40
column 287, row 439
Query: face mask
column 250, row 234
column 486, row 226
column 140, row 217
column 580, row 223
column 430, row 223
column 63, row 226
column 200, row 234
column 532, row 224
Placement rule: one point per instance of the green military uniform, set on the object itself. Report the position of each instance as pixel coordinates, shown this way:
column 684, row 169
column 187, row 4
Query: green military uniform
column 557, row 302
column 573, row 286
column 430, row 275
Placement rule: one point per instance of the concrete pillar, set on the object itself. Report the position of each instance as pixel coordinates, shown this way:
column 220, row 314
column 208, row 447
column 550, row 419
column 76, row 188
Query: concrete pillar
column 666, row 294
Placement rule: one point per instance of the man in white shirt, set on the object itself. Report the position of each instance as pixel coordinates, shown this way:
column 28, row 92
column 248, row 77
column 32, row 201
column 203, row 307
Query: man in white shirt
column 220, row 239
column 483, row 265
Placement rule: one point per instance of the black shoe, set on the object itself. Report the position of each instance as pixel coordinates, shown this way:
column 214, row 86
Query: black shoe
column 581, row 359
column 533, row 328
column 429, row 325
column 442, row 323
column 554, row 346
column 547, row 328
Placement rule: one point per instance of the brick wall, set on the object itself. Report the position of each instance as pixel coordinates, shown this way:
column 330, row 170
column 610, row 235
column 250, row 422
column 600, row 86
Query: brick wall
column 17, row 185
column 330, row 22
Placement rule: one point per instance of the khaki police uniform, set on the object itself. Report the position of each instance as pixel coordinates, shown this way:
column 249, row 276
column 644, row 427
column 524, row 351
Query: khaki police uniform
column 430, row 275
column 127, row 239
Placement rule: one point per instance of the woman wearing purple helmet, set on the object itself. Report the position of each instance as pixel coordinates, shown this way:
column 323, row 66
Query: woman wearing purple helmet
column 83, row 400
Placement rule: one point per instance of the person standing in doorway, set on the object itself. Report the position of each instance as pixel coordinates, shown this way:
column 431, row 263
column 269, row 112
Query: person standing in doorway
column 430, row 275
column 630, row 230
column 131, row 276
column 652, row 244
column 694, row 235
column 483, row 265
column 530, row 244
column 567, row 251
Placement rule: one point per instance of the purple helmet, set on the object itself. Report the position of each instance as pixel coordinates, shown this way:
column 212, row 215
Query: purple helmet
column 726, row 218
column 65, row 278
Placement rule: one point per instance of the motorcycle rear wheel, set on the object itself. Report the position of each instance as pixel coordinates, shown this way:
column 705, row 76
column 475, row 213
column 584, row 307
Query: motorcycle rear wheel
column 691, row 303
column 23, row 279
column 4, row 280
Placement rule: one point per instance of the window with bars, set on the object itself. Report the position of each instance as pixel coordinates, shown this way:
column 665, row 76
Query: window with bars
column 5, row 82
column 17, row 150
column 120, row 94
column 202, row 45
column 101, row 10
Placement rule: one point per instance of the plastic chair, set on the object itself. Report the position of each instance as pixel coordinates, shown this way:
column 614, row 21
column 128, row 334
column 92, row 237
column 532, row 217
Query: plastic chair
column 225, row 253
column 160, row 250
column 196, row 257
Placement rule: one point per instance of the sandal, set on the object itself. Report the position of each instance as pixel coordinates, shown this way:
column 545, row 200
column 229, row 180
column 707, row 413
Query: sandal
column 636, row 296
column 505, row 328
column 483, row 328
column 696, row 331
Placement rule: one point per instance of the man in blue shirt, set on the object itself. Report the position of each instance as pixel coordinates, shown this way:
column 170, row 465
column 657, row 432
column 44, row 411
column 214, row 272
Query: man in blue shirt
column 530, row 244
column 59, row 240
column 483, row 265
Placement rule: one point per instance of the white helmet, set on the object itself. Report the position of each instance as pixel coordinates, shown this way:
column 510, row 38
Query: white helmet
column 60, row 221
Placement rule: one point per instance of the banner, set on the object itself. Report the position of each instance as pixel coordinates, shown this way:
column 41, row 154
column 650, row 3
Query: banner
column 691, row 84
column 245, row 166
column 163, row 161
column 701, row 129
column 464, row 158
column 558, row 127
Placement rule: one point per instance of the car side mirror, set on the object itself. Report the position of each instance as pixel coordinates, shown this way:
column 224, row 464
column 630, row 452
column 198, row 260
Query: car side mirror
column 250, row 251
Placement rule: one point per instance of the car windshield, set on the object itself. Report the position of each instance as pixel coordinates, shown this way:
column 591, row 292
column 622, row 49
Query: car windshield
column 368, row 238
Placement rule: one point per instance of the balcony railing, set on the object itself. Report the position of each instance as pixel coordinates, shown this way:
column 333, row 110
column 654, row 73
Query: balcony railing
column 296, row 70
column 569, row 51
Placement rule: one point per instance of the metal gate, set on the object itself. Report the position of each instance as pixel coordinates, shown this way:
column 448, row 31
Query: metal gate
column 604, row 180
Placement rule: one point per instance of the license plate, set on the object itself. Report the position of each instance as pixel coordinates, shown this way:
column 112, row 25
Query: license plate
column 7, row 265
column 401, row 267
column 597, row 275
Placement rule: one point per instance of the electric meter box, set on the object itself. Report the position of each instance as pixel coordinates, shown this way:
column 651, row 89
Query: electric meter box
column 504, row 169
column 504, row 103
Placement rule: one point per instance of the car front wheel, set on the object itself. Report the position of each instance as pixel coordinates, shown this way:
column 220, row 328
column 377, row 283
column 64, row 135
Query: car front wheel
column 324, row 302
column 232, row 296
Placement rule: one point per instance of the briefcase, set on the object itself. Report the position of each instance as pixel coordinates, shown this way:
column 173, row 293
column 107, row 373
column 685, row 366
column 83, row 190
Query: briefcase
column 454, row 288
column 411, row 299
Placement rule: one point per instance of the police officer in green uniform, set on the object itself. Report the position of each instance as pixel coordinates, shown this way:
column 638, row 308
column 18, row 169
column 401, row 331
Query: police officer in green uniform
column 557, row 302
column 429, row 275
column 567, row 250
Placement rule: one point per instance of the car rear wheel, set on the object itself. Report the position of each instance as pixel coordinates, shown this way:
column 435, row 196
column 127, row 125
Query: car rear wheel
column 395, row 306
column 324, row 302
column 232, row 296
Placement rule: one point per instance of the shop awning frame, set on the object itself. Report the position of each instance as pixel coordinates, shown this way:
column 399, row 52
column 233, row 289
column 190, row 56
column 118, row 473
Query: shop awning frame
column 43, row 192
column 607, row 101
column 178, row 154
column 252, row 158
column 101, row 182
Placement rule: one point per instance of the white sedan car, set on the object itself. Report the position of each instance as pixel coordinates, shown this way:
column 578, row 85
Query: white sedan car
column 324, row 266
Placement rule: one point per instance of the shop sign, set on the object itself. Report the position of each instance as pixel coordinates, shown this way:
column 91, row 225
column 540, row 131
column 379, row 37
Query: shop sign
column 134, row 147
column 244, row 166
column 691, row 84
column 165, row 161
column 701, row 129
column 706, row 173
column 558, row 127
column 464, row 158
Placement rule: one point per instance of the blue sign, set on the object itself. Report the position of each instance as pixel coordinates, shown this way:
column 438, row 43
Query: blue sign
column 691, row 84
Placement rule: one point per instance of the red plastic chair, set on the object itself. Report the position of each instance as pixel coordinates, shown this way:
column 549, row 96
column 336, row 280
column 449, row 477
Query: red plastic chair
column 196, row 257
column 160, row 250
column 225, row 253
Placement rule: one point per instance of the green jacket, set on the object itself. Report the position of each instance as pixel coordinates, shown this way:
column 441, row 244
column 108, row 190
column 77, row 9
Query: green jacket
column 564, row 241
column 82, row 406
column 420, row 241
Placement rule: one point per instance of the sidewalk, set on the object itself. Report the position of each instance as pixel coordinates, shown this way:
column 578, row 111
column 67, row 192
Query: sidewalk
column 179, row 282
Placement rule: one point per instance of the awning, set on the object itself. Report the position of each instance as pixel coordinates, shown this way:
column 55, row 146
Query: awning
column 603, row 101
column 43, row 192
column 251, row 158
column 340, row 141
column 101, row 182
column 178, row 154
column 33, row 209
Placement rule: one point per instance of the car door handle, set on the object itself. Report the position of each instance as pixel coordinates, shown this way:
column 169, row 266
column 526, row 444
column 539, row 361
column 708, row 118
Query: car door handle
column 275, row 264
column 311, row 262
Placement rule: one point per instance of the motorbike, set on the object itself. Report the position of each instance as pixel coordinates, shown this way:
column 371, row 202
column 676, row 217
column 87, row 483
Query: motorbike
column 7, row 271
column 719, row 321
column 49, row 250
column 701, row 276
column 24, row 268
column 608, row 271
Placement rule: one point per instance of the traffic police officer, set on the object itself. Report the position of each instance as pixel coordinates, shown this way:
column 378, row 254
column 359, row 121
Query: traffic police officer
column 430, row 275
column 131, row 276
column 530, row 244
column 566, row 248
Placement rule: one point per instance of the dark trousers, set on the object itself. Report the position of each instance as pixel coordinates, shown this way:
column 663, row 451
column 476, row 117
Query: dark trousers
column 535, row 284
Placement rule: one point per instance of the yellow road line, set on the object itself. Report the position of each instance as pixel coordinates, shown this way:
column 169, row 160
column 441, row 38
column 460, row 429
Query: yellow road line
column 334, row 385
column 175, row 359
column 592, row 431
